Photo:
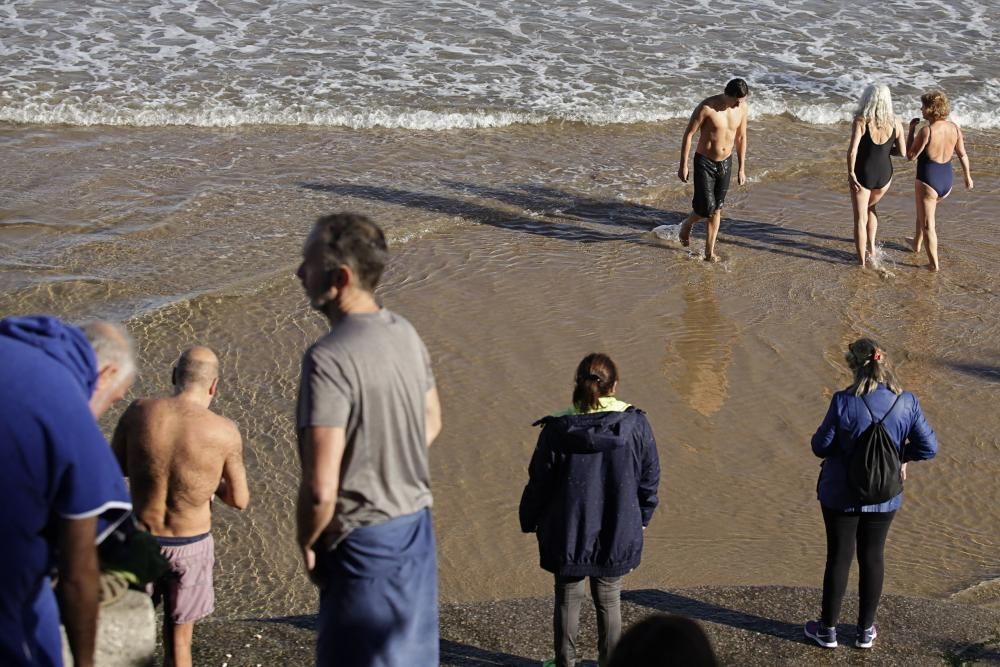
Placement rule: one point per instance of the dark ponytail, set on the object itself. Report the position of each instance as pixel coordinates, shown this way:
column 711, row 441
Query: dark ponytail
column 596, row 377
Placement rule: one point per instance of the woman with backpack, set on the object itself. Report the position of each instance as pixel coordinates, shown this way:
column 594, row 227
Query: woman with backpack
column 591, row 492
column 869, row 433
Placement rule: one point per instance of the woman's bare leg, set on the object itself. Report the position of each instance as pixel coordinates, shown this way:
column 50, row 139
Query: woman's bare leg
column 859, row 201
column 872, row 228
column 917, row 243
column 927, row 208
column 875, row 198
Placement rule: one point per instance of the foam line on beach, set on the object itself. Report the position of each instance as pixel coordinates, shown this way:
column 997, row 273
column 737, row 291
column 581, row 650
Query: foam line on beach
column 479, row 64
column 225, row 116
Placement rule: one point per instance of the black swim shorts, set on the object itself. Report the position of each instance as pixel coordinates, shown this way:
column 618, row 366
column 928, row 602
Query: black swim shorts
column 711, row 183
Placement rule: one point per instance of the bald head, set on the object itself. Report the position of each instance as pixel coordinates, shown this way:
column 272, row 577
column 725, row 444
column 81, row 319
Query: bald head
column 197, row 368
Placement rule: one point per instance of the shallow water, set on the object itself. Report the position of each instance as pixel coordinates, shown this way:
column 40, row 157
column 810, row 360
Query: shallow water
column 516, row 252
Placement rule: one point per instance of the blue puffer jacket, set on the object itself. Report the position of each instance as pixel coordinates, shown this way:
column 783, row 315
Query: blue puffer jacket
column 591, row 490
column 847, row 419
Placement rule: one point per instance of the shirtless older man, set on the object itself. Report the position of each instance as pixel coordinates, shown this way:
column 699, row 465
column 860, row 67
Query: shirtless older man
column 178, row 455
column 722, row 123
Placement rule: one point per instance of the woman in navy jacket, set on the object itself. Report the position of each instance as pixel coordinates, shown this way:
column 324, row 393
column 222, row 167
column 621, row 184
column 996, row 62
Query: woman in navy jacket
column 591, row 492
column 875, row 394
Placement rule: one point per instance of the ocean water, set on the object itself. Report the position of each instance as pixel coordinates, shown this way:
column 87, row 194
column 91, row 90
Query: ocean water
column 481, row 63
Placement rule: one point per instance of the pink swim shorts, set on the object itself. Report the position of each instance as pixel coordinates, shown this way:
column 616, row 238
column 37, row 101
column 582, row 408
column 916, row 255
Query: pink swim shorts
column 187, row 590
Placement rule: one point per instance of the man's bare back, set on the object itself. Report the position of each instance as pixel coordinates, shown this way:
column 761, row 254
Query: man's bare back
column 178, row 455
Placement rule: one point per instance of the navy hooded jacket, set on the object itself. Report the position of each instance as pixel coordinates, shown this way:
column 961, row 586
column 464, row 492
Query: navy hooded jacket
column 591, row 490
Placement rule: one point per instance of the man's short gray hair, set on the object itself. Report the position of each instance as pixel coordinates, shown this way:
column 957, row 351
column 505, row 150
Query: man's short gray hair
column 112, row 344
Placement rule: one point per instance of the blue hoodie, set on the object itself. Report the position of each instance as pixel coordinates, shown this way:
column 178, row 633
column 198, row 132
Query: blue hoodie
column 65, row 343
column 592, row 486
column 54, row 462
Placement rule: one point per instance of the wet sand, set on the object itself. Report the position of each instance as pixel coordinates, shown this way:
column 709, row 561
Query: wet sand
column 516, row 252
column 748, row 627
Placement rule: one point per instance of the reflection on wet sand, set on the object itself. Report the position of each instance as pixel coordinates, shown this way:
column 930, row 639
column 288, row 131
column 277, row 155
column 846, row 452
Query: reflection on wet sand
column 698, row 358
column 905, row 320
column 921, row 340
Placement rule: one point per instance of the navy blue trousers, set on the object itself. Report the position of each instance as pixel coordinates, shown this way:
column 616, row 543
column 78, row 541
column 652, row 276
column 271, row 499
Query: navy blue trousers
column 379, row 598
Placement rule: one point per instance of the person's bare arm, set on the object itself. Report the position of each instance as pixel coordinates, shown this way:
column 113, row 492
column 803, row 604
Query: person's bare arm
column 741, row 147
column 79, row 586
column 119, row 441
column 433, row 415
column 915, row 143
column 697, row 118
column 857, row 130
column 963, row 157
column 898, row 148
column 322, row 453
column 233, row 489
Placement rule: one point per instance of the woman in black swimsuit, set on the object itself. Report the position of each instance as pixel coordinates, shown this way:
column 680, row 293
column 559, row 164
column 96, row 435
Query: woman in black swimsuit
column 875, row 134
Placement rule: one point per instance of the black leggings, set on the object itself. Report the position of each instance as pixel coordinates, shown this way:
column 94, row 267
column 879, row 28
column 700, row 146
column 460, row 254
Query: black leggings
column 869, row 530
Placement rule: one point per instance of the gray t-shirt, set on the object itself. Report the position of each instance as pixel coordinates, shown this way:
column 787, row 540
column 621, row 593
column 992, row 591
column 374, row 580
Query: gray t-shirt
column 370, row 375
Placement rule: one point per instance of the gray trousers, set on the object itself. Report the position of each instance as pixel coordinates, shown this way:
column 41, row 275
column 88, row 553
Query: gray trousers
column 606, row 592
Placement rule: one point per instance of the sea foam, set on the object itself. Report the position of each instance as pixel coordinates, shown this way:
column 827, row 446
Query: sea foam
column 442, row 65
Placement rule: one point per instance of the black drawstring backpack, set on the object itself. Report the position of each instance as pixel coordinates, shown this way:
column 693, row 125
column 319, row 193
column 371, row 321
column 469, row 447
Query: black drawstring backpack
column 874, row 470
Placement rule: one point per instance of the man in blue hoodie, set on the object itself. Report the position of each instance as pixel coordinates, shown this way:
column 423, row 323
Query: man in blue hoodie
column 61, row 490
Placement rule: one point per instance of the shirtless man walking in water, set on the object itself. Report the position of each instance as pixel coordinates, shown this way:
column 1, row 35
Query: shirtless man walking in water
column 722, row 123
column 178, row 455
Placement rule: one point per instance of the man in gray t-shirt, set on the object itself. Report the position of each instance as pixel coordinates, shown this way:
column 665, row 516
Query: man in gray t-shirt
column 368, row 410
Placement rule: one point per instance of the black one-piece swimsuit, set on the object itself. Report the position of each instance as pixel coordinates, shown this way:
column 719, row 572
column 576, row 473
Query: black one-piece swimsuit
column 873, row 168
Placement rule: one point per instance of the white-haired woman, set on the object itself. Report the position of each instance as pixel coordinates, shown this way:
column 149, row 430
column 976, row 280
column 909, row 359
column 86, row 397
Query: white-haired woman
column 875, row 133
